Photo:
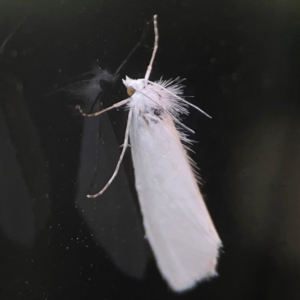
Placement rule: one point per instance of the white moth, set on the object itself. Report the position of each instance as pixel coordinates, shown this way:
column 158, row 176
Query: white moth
column 176, row 221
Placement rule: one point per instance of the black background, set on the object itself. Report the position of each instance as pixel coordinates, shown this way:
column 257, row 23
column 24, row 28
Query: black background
column 241, row 61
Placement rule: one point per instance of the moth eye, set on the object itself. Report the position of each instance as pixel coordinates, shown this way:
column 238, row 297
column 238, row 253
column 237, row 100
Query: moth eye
column 130, row 91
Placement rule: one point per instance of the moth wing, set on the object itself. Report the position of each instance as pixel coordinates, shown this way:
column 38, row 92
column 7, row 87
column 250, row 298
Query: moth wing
column 177, row 223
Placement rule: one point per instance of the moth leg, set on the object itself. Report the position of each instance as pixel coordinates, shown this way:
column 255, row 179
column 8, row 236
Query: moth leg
column 123, row 102
column 125, row 145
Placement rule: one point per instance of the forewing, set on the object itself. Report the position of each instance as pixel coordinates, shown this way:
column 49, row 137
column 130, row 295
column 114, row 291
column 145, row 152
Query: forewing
column 177, row 223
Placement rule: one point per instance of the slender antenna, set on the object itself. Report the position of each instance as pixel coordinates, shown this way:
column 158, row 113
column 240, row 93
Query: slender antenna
column 147, row 75
column 97, row 113
column 125, row 145
column 132, row 51
column 128, row 56
column 115, row 75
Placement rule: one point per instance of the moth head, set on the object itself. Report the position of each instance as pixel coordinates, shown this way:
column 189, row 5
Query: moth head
column 129, row 83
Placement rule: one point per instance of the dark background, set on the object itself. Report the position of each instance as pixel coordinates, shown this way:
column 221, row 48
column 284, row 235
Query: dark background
column 241, row 61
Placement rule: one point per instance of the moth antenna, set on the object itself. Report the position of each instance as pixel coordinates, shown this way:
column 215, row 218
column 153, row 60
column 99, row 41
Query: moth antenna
column 123, row 102
column 149, row 68
column 131, row 52
column 125, row 145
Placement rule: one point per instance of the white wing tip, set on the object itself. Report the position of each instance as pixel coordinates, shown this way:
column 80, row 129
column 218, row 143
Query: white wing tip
column 185, row 282
column 181, row 287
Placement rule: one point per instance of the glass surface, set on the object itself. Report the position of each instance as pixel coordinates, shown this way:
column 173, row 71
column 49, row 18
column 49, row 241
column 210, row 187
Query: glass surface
column 241, row 64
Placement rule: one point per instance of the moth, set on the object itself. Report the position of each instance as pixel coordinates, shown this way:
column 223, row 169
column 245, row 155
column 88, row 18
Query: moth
column 177, row 223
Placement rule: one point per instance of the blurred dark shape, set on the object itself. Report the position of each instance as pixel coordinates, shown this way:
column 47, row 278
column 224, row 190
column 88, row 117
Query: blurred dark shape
column 24, row 185
column 113, row 217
